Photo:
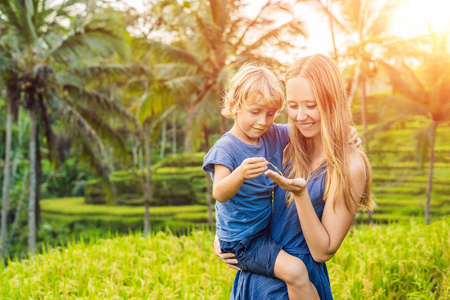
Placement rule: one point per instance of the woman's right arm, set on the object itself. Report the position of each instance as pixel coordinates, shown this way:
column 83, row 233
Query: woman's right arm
column 324, row 236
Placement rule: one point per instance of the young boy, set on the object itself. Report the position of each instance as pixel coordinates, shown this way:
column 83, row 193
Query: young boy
column 237, row 160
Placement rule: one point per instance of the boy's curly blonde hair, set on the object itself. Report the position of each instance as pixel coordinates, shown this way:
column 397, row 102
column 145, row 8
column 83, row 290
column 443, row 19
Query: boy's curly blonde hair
column 252, row 79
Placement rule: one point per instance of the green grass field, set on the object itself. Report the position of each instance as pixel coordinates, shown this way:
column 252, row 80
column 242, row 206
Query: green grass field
column 77, row 207
column 107, row 258
column 398, row 261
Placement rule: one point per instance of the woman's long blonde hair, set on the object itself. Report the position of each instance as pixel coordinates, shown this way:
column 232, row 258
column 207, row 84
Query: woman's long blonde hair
column 328, row 89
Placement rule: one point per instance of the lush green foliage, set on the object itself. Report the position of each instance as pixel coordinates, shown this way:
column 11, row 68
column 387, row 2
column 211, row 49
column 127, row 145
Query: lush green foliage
column 77, row 207
column 176, row 180
column 399, row 261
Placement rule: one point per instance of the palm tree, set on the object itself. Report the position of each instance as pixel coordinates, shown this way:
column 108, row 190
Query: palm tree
column 327, row 8
column 11, row 101
column 6, row 174
column 428, row 87
column 210, row 39
column 214, row 37
column 42, row 54
column 151, row 100
column 367, row 22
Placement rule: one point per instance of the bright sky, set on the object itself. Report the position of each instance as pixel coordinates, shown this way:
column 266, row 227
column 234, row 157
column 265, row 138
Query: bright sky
column 410, row 19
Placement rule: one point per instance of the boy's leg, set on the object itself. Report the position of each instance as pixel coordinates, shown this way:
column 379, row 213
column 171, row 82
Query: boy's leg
column 293, row 272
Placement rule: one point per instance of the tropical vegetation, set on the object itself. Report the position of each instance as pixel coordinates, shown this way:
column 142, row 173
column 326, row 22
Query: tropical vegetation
column 106, row 112
column 380, row 262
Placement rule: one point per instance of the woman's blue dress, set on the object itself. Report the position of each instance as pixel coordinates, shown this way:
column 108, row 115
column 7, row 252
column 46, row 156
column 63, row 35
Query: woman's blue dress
column 285, row 229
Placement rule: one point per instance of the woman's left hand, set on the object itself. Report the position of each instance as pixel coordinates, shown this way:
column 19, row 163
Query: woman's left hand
column 354, row 140
column 228, row 258
column 297, row 186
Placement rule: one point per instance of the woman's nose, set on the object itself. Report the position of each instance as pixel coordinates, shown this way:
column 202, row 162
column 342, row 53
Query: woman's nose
column 301, row 115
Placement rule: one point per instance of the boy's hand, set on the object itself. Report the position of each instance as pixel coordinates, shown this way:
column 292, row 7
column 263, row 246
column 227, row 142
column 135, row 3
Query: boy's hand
column 354, row 140
column 227, row 258
column 253, row 167
column 297, row 186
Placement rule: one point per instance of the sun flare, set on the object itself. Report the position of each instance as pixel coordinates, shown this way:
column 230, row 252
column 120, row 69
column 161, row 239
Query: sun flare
column 416, row 16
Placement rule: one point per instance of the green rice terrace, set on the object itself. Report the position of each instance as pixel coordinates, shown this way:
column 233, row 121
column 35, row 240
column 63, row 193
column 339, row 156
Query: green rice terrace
column 399, row 257
column 107, row 109
column 95, row 250
column 179, row 199
column 402, row 261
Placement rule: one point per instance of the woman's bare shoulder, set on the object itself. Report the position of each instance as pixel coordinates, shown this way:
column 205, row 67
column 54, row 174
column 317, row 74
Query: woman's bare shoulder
column 357, row 165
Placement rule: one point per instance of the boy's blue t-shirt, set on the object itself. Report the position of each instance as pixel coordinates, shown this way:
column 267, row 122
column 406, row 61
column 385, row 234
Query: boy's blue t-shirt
column 247, row 212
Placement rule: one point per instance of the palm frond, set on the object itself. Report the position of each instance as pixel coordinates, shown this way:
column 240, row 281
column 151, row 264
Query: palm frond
column 171, row 53
column 404, row 81
column 110, row 72
column 89, row 156
column 10, row 13
column 183, row 85
column 277, row 34
column 381, row 18
column 73, row 117
column 440, row 97
column 178, row 77
column 102, row 131
column 326, row 11
column 94, row 99
column 46, row 127
column 99, row 37
column 155, row 102
column 423, row 136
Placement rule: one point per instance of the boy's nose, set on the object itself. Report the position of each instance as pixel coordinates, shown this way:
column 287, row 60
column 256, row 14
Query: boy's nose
column 263, row 121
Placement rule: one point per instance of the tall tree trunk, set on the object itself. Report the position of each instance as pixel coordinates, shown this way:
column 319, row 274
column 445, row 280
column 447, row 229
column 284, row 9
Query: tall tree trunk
column 434, row 125
column 134, row 154
column 148, row 180
column 17, row 152
column 18, row 213
column 208, row 180
column 223, row 120
column 174, row 133
column 333, row 36
column 363, row 104
column 187, row 136
column 6, row 174
column 364, row 124
column 33, row 180
column 15, row 162
column 141, row 158
column 38, row 182
column 354, row 82
column 163, row 139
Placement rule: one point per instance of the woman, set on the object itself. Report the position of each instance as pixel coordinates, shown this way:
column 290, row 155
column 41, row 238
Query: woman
column 313, row 217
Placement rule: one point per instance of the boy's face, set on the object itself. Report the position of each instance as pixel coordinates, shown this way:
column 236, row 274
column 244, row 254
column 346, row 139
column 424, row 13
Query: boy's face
column 253, row 120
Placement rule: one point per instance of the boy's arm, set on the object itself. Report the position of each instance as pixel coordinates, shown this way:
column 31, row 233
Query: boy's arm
column 227, row 183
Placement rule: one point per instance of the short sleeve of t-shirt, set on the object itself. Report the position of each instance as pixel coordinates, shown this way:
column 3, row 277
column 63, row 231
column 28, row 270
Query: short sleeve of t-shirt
column 219, row 155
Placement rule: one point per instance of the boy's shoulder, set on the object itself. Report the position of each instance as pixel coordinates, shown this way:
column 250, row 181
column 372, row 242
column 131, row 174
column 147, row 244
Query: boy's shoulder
column 223, row 152
column 277, row 130
column 224, row 141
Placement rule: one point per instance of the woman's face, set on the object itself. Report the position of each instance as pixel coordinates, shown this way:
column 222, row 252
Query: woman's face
column 302, row 107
